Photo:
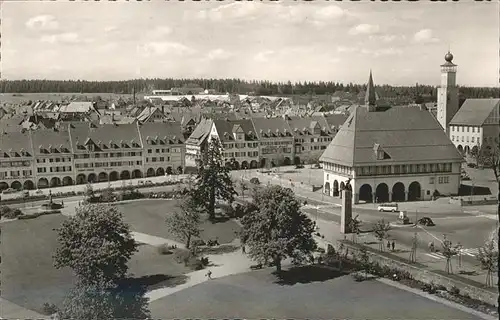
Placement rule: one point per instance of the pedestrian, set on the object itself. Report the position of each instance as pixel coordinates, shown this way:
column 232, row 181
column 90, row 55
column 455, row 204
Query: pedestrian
column 393, row 244
column 388, row 245
column 209, row 274
column 243, row 249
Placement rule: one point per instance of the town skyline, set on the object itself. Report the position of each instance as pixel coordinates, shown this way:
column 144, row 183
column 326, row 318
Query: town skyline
column 250, row 41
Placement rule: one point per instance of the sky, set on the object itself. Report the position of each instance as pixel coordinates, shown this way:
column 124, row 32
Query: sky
column 402, row 43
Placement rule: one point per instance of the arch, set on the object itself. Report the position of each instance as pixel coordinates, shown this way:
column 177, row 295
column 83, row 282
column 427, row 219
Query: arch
column 273, row 163
column 150, row 172
column 92, row 178
column 228, row 164
column 81, row 179
column 342, row 185
column 253, row 164
column 55, row 182
column 136, row 174
column 169, row 170
column 335, row 188
column 382, row 193
column 180, row 170
column 398, row 192
column 348, row 186
column 460, row 148
column 103, row 176
column 467, row 150
column 474, row 150
column 160, row 172
column 365, row 193
column 327, row 188
column 16, row 185
column 236, row 165
column 263, row 162
column 287, row 161
column 244, row 165
column 3, row 186
column 67, row 181
column 125, row 175
column 296, row 160
column 28, row 185
column 414, row 191
column 113, row 176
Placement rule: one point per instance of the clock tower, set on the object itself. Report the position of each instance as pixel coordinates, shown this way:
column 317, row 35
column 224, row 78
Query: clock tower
column 447, row 96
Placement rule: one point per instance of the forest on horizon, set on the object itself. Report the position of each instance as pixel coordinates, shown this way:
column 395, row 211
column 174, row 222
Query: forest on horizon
column 234, row 86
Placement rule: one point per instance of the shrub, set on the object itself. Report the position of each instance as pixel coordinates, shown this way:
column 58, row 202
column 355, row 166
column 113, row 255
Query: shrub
column 164, row 249
column 194, row 263
column 29, row 216
column 12, row 213
column 197, row 243
column 4, row 211
column 182, row 255
column 454, row 291
column 358, row 277
column 49, row 308
column 204, row 261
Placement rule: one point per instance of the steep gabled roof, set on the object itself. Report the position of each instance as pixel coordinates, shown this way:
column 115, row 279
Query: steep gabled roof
column 474, row 112
column 201, row 132
column 406, row 134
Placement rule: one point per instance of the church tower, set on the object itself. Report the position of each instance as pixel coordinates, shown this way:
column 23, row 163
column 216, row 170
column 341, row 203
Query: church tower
column 447, row 98
column 370, row 95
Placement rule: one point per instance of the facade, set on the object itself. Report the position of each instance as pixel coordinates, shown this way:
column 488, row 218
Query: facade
column 80, row 153
column 395, row 154
column 197, row 143
column 447, row 100
column 476, row 125
column 276, row 141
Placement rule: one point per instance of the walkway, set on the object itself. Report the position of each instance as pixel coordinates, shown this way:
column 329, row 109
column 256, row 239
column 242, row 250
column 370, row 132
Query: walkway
column 9, row 310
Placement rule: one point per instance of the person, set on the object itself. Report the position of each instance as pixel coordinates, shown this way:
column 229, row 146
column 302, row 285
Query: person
column 388, row 245
column 243, row 249
column 393, row 244
column 209, row 274
column 431, row 246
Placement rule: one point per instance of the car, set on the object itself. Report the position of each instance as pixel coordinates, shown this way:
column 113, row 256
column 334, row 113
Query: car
column 9, row 190
column 299, row 166
column 426, row 221
column 255, row 181
column 471, row 165
column 465, row 178
column 38, row 191
column 390, row 207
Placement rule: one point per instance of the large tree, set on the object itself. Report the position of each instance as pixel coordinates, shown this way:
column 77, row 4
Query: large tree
column 185, row 223
column 213, row 181
column 96, row 244
column 277, row 229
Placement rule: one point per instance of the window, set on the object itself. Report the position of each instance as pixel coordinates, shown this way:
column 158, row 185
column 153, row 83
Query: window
column 440, row 180
column 467, row 129
column 462, row 129
column 431, row 180
column 452, row 138
column 472, row 139
column 150, row 150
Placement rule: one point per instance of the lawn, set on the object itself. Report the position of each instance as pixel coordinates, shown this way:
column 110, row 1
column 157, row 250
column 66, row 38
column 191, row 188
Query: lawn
column 317, row 294
column 149, row 217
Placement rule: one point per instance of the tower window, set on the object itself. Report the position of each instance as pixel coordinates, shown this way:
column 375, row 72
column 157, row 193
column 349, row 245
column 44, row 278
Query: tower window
column 467, row 129
column 462, row 129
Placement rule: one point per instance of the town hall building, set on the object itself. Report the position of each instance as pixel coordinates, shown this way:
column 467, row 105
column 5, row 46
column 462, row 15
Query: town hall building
column 391, row 154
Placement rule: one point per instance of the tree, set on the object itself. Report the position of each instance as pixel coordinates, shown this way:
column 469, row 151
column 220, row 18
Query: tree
column 354, row 225
column 277, row 229
column 448, row 253
column 185, row 224
column 213, row 181
column 381, row 230
column 89, row 191
column 105, row 301
column 96, row 244
column 488, row 257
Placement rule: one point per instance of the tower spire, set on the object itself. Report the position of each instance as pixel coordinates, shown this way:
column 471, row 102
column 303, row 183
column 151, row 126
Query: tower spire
column 370, row 97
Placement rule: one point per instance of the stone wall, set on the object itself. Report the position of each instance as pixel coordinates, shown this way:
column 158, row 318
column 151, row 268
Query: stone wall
column 428, row 276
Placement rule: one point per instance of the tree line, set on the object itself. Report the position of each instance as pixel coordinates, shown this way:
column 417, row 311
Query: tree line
column 236, row 86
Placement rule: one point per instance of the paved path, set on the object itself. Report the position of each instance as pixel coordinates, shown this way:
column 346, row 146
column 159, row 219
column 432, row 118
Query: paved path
column 10, row 311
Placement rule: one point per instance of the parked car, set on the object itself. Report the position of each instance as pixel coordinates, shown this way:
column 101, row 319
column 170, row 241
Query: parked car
column 390, row 207
column 254, row 181
column 465, row 178
column 426, row 221
column 299, row 166
column 10, row 190
column 471, row 165
column 403, row 218
column 38, row 191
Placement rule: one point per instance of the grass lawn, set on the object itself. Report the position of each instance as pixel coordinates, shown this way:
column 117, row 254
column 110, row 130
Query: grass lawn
column 317, row 294
column 29, row 278
column 149, row 217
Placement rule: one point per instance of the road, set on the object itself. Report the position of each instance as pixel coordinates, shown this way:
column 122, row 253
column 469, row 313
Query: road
column 450, row 220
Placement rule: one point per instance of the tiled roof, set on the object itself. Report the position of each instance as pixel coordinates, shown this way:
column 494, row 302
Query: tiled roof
column 49, row 139
column 162, row 133
column 335, row 120
column 15, row 142
column 271, row 127
column 406, row 134
column 474, row 112
column 105, row 134
column 201, row 131
column 226, row 128
column 300, row 125
column 77, row 107
column 148, row 113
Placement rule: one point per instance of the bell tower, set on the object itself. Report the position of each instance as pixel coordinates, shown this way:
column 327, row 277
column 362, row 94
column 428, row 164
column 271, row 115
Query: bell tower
column 447, row 97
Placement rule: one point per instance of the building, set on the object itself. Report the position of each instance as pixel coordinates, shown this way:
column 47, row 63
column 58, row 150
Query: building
column 391, row 154
column 447, row 99
column 17, row 161
column 476, row 124
column 197, row 143
column 277, row 141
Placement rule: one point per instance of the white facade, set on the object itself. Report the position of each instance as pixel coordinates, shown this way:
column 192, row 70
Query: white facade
column 447, row 98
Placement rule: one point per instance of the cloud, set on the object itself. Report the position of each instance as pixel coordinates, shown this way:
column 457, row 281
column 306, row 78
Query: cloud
column 42, row 22
column 424, row 36
column 342, row 49
column 164, row 47
column 364, row 29
column 110, row 29
column 160, row 32
column 233, row 10
column 387, row 38
column 263, row 56
column 387, row 52
column 68, row 37
column 219, row 54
